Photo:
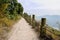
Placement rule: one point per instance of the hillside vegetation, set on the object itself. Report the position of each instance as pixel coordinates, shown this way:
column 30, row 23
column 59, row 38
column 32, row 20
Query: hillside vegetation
column 10, row 12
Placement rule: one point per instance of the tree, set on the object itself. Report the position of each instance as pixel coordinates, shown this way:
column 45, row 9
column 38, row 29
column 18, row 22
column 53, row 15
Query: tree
column 3, row 6
column 20, row 9
column 14, row 8
column 10, row 8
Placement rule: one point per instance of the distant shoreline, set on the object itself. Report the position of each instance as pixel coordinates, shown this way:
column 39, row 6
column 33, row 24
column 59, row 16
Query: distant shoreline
column 51, row 20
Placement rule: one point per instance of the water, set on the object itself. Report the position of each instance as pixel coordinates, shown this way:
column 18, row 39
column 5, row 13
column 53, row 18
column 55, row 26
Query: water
column 52, row 20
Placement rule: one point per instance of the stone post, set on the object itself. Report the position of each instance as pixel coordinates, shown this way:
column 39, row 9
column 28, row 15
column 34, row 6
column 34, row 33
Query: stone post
column 33, row 21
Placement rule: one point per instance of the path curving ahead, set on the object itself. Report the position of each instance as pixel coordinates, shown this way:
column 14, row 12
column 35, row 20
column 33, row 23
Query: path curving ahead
column 22, row 31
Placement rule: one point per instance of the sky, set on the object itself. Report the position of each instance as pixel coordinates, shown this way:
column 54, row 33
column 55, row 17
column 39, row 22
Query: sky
column 41, row 7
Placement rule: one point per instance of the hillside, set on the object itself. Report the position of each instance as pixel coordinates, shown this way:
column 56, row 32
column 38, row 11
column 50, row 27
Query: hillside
column 10, row 12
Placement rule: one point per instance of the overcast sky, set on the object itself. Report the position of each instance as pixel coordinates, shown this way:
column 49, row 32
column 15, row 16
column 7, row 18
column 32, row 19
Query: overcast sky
column 41, row 7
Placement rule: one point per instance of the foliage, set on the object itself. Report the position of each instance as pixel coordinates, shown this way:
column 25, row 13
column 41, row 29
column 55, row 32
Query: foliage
column 10, row 10
column 14, row 8
column 20, row 9
column 8, row 16
column 28, row 18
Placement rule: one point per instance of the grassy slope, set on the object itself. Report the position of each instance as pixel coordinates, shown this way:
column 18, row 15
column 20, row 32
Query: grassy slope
column 53, row 32
column 6, row 25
